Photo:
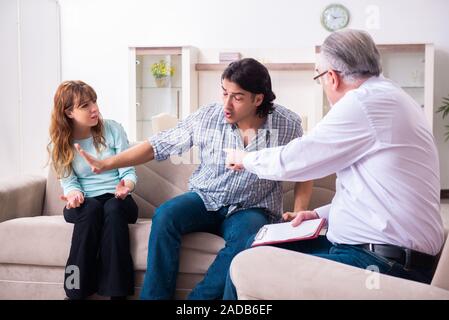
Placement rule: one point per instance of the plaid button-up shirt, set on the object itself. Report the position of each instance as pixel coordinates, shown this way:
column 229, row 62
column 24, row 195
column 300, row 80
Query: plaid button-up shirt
column 212, row 181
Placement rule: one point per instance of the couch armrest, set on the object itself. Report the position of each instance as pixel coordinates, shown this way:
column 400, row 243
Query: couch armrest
column 21, row 197
column 270, row 273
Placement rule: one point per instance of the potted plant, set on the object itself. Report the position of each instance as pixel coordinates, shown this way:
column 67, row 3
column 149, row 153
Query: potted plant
column 162, row 71
column 445, row 110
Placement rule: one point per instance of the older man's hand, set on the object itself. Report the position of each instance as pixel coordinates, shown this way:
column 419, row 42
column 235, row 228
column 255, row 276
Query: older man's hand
column 234, row 159
column 298, row 217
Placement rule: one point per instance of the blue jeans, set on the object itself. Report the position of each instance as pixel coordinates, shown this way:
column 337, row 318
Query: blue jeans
column 347, row 254
column 186, row 214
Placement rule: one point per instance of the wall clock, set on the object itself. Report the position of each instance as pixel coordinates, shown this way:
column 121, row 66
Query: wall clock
column 335, row 17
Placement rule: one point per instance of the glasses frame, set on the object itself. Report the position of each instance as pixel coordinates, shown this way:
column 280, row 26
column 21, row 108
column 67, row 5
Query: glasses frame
column 317, row 78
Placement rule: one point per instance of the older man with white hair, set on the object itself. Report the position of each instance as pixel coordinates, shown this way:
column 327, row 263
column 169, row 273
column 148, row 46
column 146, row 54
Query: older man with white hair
column 375, row 137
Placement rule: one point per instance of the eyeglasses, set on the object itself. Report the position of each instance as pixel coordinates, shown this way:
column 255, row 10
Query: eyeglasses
column 317, row 78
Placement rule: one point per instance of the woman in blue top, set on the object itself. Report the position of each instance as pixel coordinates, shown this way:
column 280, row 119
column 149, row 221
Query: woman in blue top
column 99, row 205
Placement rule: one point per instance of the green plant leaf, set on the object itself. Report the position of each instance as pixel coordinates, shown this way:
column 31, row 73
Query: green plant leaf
column 444, row 107
column 446, row 134
column 445, row 110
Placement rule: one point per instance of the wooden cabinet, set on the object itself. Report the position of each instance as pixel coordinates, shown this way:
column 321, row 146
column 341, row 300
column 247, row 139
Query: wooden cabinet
column 152, row 93
column 412, row 67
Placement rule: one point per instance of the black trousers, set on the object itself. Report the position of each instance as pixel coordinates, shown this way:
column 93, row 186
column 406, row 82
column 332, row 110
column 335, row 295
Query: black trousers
column 100, row 259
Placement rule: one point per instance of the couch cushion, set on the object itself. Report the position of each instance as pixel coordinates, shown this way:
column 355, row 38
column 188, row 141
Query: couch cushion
column 322, row 194
column 269, row 273
column 159, row 182
column 52, row 204
column 21, row 197
column 31, row 282
column 31, row 239
column 38, row 240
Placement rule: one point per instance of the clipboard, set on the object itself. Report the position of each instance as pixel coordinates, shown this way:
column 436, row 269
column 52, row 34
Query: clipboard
column 285, row 232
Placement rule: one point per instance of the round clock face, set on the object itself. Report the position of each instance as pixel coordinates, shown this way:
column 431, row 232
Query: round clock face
column 335, row 17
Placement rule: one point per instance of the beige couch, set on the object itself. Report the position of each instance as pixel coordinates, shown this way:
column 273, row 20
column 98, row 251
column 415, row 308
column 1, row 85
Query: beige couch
column 35, row 239
column 269, row 273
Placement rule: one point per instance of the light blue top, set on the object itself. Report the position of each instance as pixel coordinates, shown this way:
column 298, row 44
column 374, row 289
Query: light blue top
column 91, row 184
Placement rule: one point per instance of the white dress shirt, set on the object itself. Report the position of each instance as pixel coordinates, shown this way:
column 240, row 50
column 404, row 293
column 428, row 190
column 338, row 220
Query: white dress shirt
column 377, row 140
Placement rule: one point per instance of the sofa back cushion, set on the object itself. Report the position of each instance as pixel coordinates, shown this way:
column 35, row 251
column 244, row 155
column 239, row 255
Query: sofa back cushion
column 52, row 204
column 323, row 192
column 161, row 181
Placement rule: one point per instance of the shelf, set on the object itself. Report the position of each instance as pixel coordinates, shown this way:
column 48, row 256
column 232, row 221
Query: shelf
column 412, row 87
column 145, row 120
column 158, row 51
column 270, row 66
column 383, row 48
column 401, row 48
column 146, row 87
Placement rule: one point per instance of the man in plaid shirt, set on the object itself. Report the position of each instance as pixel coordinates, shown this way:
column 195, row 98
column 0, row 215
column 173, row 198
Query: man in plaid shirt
column 233, row 204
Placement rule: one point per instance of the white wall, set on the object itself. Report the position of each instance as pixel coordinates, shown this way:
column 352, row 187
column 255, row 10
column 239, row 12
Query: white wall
column 29, row 74
column 96, row 34
column 9, row 79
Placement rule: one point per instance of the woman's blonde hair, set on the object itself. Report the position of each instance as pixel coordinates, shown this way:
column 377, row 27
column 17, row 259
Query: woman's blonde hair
column 68, row 96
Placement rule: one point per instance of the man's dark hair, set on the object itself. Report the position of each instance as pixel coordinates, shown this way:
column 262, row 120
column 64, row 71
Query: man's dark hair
column 252, row 76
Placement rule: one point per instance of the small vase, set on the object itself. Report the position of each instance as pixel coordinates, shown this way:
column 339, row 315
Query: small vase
column 162, row 82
